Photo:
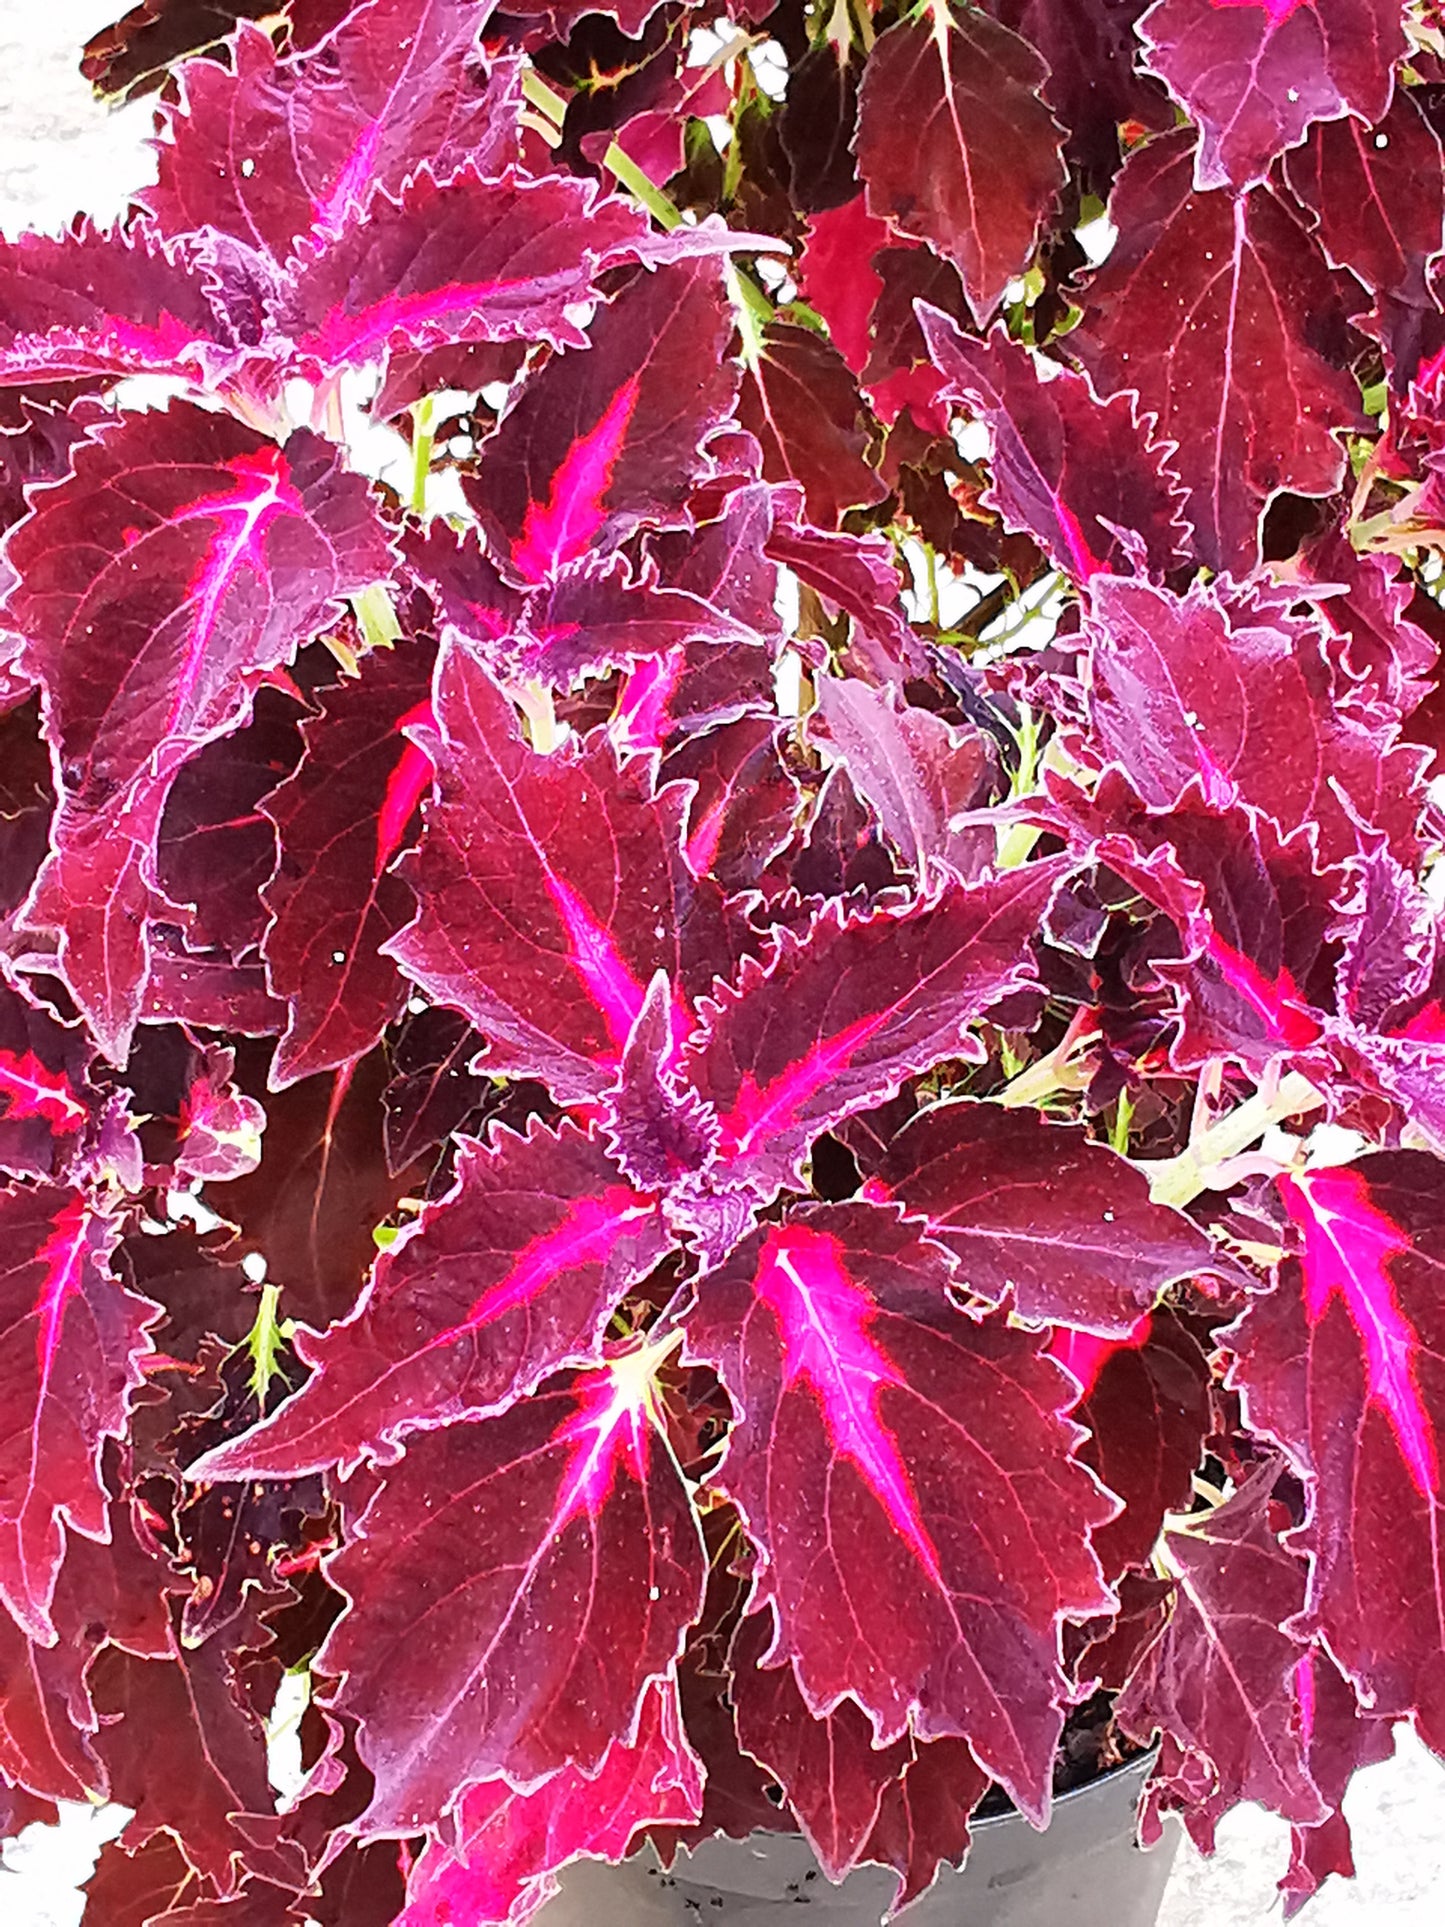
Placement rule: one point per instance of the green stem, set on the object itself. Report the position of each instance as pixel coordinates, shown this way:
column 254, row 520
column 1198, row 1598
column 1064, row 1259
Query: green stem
column 628, row 174
column 1178, row 1181
column 544, row 98
column 423, row 422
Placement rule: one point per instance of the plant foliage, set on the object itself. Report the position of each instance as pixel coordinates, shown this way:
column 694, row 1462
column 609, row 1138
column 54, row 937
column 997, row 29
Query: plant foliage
column 722, row 1001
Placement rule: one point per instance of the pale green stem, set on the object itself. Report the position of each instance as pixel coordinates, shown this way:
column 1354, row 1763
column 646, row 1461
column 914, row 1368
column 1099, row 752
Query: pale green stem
column 1179, row 1180
column 620, row 164
column 423, row 422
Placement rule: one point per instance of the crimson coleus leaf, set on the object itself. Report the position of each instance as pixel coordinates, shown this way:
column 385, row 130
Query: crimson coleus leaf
column 1040, row 1215
column 1377, row 196
column 1227, row 688
column 433, row 1089
column 911, row 1434
column 831, row 1772
column 131, row 1889
column 466, row 260
column 322, row 1185
column 216, row 848
column 1251, row 910
column 96, row 303
column 1219, row 1679
column 130, row 56
column 514, row 1585
column 1339, row 1737
column 185, row 558
column 547, row 930
column 512, row 1274
column 955, row 146
column 508, row 1846
column 341, row 819
column 113, row 1593
column 923, row 1817
column 589, row 618
column 71, row 1359
column 1079, row 475
column 800, row 400
column 744, row 805
column 1094, row 82
column 1253, row 74
column 1344, row 1363
column 1202, row 292
column 840, row 1015
column 1147, row 1406
column 598, row 443
column 266, row 150
column 208, row 1783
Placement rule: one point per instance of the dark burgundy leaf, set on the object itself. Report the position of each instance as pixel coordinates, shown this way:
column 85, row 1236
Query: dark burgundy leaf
column 1094, row 84
column 743, row 809
column 433, row 1089
column 833, row 1775
column 514, row 1586
column 803, row 405
column 590, row 618
column 848, row 1364
column 1219, row 1679
column 724, row 562
column 923, row 1817
column 74, row 1342
column 269, row 151
column 839, row 1016
column 132, row 56
column 655, row 1125
column 461, row 261
column 1377, row 196
column 184, row 561
column 547, row 930
column 26, row 801
column 511, row 1275
column 43, row 1104
column 132, row 1888
column 1221, row 315
column 1146, row 1404
column 601, row 442
column 216, row 848
column 1081, row 477
column 321, row 1189
column 918, row 774
column 1338, row 1738
column 955, row 146
column 1342, row 1363
column 1040, row 1216
column 208, row 1783
column 341, row 819
column 857, row 574
column 1253, row 74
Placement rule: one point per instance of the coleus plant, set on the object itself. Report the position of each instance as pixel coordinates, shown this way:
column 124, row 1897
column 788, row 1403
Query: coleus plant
column 722, row 1014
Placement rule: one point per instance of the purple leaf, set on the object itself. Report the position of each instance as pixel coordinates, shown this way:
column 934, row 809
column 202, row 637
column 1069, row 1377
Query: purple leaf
column 1253, row 74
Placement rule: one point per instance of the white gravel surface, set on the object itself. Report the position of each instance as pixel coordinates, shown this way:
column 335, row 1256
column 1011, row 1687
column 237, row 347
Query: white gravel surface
column 59, row 151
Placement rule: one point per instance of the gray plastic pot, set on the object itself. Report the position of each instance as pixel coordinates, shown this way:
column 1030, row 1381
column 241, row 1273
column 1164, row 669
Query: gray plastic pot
column 1085, row 1871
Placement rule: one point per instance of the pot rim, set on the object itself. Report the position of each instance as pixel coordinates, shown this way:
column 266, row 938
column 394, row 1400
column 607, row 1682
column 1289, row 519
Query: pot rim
column 1141, row 1763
